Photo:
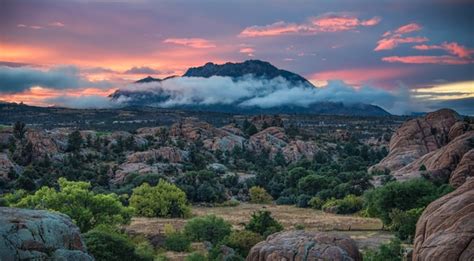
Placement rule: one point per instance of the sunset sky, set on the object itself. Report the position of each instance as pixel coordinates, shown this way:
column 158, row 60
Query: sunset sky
column 57, row 51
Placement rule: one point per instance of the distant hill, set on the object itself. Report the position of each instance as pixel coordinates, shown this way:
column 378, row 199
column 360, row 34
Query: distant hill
column 240, row 72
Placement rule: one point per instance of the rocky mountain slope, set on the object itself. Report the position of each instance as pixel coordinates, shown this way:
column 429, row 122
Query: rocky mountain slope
column 433, row 146
column 39, row 235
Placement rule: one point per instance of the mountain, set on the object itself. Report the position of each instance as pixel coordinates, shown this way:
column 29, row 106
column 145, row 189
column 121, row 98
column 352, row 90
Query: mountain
column 237, row 83
column 259, row 69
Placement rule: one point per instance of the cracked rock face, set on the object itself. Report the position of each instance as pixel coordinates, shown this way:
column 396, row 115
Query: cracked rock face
column 301, row 245
column 445, row 230
column 39, row 235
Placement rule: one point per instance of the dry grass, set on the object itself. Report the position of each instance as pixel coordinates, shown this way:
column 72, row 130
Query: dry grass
column 367, row 232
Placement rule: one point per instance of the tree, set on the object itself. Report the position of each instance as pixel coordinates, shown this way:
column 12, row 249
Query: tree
column 404, row 196
column 251, row 130
column 75, row 199
column 404, row 222
column 107, row 244
column 162, row 200
column 19, row 130
column 242, row 241
column 208, row 228
column 74, row 141
column 259, row 195
column 202, row 186
column 263, row 223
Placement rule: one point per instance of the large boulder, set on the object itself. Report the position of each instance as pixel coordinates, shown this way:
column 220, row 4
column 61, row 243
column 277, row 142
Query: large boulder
column 418, row 137
column 39, row 235
column 439, row 164
column 169, row 154
column 301, row 245
column 445, row 230
column 6, row 165
column 464, row 169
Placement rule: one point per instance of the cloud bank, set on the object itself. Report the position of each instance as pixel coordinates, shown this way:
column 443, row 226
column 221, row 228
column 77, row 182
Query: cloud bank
column 18, row 79
column 249, row 91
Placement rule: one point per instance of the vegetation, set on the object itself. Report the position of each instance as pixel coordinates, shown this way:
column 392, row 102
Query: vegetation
column 106, row 243
column 162, row 200
column 177, row 241
column 208, row 228
column 259, row 195
column 386, row 252
column 75, row 199
column 263, row 223
column 242, row 241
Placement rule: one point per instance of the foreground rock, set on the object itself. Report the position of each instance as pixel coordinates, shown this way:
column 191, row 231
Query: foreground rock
column 39, row 235
column 301, row 245
column 445, row 230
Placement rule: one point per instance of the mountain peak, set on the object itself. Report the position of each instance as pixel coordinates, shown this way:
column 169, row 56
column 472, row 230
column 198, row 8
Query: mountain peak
column 148, row 79
column 257, row 68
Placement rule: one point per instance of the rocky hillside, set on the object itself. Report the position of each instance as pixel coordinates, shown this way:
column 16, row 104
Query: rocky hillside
column 439, row 146
column 39, row 235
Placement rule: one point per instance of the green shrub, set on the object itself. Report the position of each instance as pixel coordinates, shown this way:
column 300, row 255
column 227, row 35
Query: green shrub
column 285, row 200
column 303, row 201
column 386, row 252
column 316, row 203
column 242, row 241
column 263, row 223
column 86, row 208
column 416, row 193
column 177, row 241
column 229, row 203
column 404, row 222
column 163, row 200
column 259, row 195
column 105, row 244
column 207, row 228
column 349, row 204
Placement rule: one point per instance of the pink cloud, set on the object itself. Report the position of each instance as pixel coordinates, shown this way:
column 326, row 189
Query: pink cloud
column 420, row 59
column 247, row 50
column 56, row 24
column 324, row 23
column 452, row 48
column 191, row 42
column 392, row 42
column 408, row 28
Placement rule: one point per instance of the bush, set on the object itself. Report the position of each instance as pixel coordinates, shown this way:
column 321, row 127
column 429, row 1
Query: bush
column 177, row 241
column 386, row 252
column 163, row 200
column 75, row 199
column 302, row 201
column 106, row 244
column 242, row 241
column 316, row 203
column 404, row 196
column 404, row 222
column 285, row 200
column 207, row 228
column 263, row 223
column 259, row 195
column 347, row 205
column 202, row 186
column 195, row 256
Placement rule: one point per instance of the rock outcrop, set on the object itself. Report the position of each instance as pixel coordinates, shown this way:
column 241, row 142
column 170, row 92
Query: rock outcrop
column 301, row 245
column 445, row 230
column 439, row 164
column 464, row 170
column 39, row 235
column 6, row 165
column 418, row 137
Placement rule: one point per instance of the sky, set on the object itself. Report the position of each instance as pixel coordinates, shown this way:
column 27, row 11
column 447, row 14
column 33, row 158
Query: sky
column 76, row 52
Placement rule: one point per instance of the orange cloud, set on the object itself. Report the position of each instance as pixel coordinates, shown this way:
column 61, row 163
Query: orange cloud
column 324, row 23
column 444, row 59
column 191, row 42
